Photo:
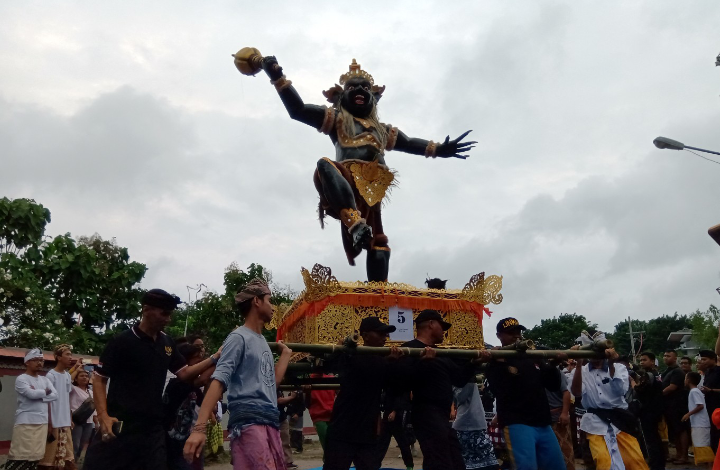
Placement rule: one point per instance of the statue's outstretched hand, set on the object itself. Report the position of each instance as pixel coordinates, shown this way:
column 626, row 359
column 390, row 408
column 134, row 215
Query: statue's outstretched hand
column 454, row 148
column 271, row 67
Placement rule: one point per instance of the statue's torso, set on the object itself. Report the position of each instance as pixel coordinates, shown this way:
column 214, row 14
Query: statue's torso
column 366, row 145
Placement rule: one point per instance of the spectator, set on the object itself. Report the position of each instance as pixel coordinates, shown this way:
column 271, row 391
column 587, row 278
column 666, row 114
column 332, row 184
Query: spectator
column 296, row 410
column 522, row 405
column 648, row 391
column 283, row 402
column 181, row 400
column 699, row 421
column 30, row 432
column 246, row 371
column 59, row 449
column 80, row 393
column 394, row 423
column 137, row 361
column 711, row 389
column 609, row 426
column 320, row 406
column 559, row 403
column 675, row 404
column 471, row 428
column 686, row 364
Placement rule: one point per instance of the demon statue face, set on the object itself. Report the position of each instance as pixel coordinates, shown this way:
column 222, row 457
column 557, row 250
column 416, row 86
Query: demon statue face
column 357, row 97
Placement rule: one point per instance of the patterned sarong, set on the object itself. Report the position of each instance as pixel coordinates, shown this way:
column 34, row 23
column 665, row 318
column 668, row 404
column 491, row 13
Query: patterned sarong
column 59, row 453
column 477, row 449
column 257, row 448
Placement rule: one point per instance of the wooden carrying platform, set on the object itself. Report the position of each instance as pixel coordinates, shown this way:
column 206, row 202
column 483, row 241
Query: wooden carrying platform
column 328, row 310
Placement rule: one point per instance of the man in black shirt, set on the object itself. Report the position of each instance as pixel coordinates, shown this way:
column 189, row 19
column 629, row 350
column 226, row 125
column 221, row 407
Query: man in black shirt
column 137, row 361
column 676, row 405
column 519, row 384
column 353, row 430
column 431, row 380
column 648, row 391
column 707, row 364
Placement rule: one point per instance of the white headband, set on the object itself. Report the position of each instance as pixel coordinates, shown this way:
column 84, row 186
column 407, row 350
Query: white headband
column 33, row 354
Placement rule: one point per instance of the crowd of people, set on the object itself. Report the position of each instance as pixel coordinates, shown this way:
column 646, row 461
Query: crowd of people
column 155, row 403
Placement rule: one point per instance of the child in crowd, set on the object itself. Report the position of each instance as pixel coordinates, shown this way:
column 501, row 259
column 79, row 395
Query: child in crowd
column 699, row 420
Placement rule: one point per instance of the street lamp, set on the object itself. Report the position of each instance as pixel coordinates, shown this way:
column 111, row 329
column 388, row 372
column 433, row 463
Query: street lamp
column 665, row 143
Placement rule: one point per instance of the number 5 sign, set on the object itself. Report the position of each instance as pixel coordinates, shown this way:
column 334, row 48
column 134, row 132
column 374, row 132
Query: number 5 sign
column 402, row 319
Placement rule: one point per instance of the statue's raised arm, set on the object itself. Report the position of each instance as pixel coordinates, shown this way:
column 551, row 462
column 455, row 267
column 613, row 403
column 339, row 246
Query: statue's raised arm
column 353, row 185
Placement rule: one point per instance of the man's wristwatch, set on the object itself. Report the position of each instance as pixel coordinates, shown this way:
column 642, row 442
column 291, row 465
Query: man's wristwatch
column 214, row 360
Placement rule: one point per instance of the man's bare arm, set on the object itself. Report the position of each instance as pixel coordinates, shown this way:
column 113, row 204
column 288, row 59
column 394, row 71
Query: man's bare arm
column 195, row 443
column 100, row 399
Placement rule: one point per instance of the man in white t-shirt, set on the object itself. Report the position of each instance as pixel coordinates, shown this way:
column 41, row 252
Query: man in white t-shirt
column 59, row 449
column 31, row 418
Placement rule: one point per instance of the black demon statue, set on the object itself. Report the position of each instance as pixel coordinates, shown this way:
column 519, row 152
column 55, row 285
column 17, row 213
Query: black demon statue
column 353, row 186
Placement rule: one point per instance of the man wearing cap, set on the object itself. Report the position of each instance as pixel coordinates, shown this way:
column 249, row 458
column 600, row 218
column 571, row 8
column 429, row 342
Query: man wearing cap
column 431, row 380
column 353, row 431
column 29, row 436
column 247, row 372
column 520, row 385
column 131, row 411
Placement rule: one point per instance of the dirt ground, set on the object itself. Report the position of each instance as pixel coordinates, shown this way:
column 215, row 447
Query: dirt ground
column 312, row 458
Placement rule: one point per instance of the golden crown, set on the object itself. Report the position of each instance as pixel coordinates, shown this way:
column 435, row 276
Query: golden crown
column 356, row 71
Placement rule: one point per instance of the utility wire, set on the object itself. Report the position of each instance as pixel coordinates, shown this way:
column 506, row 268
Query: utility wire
column 706, row 158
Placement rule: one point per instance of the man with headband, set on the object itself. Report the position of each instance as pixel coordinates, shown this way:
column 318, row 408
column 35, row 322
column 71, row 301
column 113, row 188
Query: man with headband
column 131, row 410
column 246, row 371
column 29, row 435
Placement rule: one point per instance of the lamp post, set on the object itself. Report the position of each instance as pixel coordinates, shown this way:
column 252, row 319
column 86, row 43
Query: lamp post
column 665, row 143
column 197, row 290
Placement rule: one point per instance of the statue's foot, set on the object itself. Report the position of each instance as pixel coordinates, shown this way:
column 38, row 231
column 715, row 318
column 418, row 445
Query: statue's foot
column 361, row 235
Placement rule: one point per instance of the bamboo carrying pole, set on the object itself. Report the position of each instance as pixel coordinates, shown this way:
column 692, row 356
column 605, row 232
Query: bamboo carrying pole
column 596, row 350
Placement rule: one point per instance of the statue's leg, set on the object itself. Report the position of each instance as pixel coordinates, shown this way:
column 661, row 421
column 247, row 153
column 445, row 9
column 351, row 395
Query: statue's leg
column 378, row 263
column 339, row 194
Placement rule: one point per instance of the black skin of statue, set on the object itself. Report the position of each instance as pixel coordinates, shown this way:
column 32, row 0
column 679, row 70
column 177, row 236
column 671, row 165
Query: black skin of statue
column 358, row 99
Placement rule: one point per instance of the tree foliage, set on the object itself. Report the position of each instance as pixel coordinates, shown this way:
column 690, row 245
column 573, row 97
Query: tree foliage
column 560, row 332
column 705, row 326
column 654, row 336
column 215, row 315
column 59, row 289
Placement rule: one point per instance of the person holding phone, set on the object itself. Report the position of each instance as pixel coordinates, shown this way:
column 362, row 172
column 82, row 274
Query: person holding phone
column 131, row 410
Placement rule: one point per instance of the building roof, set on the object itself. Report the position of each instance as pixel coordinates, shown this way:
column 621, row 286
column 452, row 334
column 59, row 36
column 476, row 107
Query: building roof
column 8, row 353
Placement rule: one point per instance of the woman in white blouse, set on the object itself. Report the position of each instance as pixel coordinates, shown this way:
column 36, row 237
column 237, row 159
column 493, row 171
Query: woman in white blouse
column 80, row 392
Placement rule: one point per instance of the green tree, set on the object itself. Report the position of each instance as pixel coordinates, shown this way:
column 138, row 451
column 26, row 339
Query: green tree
column 214, row 315
column 60, row 290
column 705, row 326
column 560, row 332
column 654, row 336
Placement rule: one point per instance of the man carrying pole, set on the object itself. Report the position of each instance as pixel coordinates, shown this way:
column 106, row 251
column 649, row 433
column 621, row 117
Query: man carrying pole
column 519, row 383
column 431, row 379
column 609, row 426
column 353, row 430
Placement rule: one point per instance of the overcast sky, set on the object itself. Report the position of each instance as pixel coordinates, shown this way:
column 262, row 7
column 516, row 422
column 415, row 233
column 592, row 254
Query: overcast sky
column 129, row 119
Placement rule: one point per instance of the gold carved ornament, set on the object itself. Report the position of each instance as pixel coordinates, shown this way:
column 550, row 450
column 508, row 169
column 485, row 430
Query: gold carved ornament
column 483, row 290
column 372, row 180
column 319, row 283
